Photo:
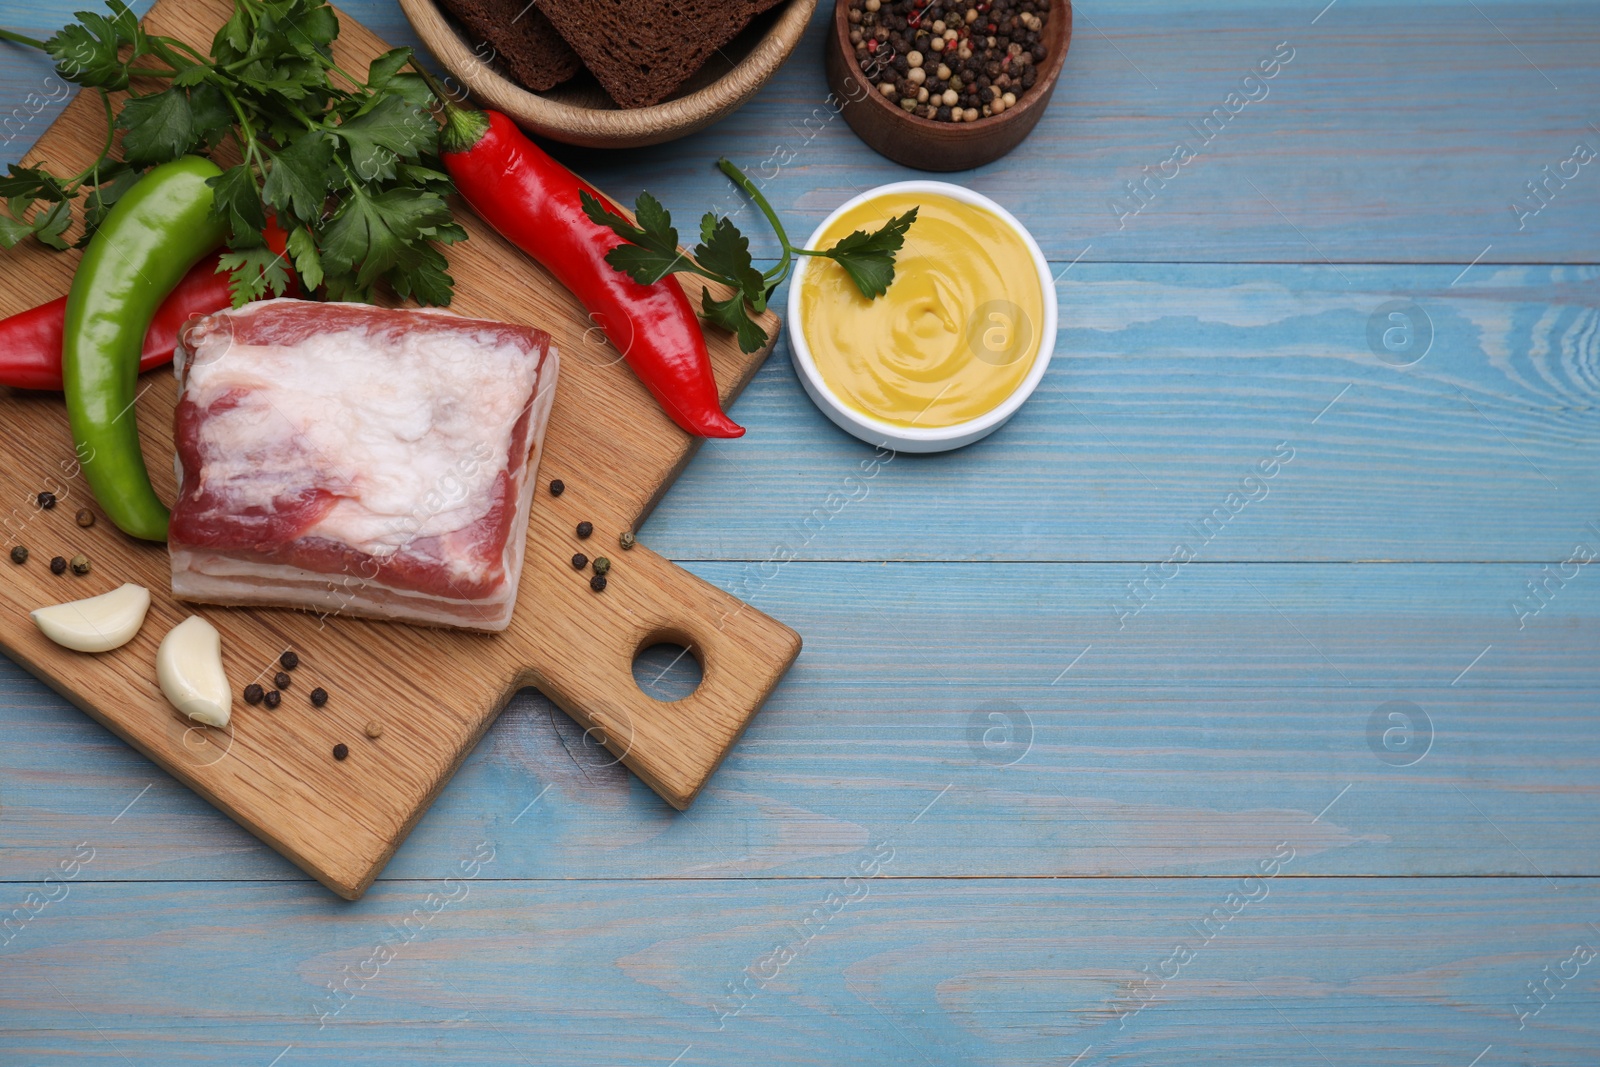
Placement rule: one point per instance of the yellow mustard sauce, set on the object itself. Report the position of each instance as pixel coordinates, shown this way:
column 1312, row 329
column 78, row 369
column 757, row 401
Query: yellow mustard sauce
column 953, row 337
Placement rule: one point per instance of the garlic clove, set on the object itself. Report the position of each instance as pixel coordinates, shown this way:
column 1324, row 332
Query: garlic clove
column 96, row 623
column 189, row 668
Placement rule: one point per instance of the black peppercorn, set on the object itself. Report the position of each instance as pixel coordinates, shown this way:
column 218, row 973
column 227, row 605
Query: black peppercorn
column 253, row 693
column 289, row 660
column 585, row 529
column 341, row 750
column 58, row 565
column 19, row 554
column 319, row 697
column 598, row 583
column 272, row 698
column 281, row 680
column 47, row 500
column 557, row 487
column 579, row 561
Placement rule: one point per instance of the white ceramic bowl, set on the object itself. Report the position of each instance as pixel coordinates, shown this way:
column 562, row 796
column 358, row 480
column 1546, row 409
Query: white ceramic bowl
column 909, row 438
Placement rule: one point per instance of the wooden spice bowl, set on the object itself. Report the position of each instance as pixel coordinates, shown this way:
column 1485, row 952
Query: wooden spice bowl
column 581, row 113
column 928, row 144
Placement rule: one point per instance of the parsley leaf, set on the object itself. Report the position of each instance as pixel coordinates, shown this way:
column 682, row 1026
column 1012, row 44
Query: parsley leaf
column 234, row 36
column 236, row 199
column 190, row 76
column 158, row 128
column 725, row 252
column 869, row 257
column 49, row 226
column 307, row 261
column 645, row 265
column 292, row 79
column 650, row 251
column 653, row 229
column 298, row 180
column 373, row 231
column 315, row 27
column 412, row 89
column 211, row 115
column 392, row 130
column 385, row 67
column 730, row 315
column 421, row 274
column 31, row 183
column 655, row 223
column 255, row 271
column 114, row 182
column 86, row 52
column 12, row 231
column 425, row 177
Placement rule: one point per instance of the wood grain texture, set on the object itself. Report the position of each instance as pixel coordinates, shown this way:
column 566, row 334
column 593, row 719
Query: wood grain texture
column 434, row 691
column 1168, row 384
column 1348, row 972
column 1237, row 704
column 1165, row 763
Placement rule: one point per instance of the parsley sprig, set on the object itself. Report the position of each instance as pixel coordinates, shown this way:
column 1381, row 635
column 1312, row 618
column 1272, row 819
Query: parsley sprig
column 723, row 255
column 348, row 164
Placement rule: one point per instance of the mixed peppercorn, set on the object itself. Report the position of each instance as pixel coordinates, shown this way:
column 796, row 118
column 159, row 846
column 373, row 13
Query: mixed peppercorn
column 950, row 60
column 79, row 564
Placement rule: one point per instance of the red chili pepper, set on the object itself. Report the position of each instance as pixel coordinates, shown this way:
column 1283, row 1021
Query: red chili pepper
column 30, row 341
column 534, row 202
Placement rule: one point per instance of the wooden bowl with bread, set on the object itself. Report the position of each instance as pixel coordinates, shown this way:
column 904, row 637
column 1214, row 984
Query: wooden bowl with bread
column 610, row 73
column 905, row 128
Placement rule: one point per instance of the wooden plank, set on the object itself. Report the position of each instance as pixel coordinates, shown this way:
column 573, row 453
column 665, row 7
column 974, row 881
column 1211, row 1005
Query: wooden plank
column 1309, row 971
column 273, row 773
column 1397, row 132
column 1168, row 385
column 1042, row 740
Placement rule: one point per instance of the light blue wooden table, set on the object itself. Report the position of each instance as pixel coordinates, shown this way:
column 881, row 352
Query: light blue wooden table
column 1324, row 796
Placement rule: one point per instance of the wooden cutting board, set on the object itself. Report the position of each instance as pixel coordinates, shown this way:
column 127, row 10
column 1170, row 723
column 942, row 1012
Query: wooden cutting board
column 434, row 691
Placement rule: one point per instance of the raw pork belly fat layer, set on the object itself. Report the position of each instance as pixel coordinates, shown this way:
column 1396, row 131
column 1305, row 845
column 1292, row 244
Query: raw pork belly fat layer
column 354, row 460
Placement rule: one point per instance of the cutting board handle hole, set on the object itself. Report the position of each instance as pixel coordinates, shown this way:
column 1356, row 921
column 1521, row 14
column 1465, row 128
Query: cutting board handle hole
column 667, row 667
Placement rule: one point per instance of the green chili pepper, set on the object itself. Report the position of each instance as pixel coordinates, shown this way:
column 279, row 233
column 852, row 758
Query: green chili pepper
column 155, row 233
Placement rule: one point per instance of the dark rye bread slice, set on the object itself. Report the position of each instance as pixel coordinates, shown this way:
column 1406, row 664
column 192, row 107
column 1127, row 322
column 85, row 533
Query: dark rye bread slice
column 523, row 40
column 643, row 50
